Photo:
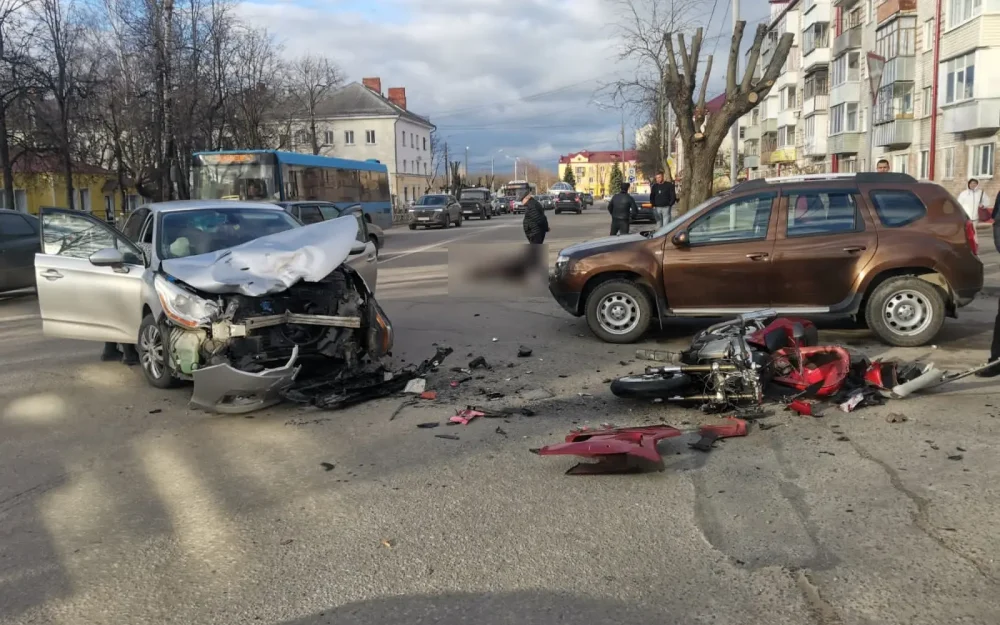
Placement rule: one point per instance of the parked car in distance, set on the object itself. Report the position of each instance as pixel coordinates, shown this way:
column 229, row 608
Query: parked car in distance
column 547, row 201
column 882, row 248
column 588, row 199
column 516, row 206
column 19, row 243
column 435, row 209
column 475, row 203
column 568, row 201
column 646, row 214
column 310, row 212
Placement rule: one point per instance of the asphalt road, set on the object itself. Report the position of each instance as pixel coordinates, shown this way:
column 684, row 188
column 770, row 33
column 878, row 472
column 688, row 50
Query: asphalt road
column 118, row 504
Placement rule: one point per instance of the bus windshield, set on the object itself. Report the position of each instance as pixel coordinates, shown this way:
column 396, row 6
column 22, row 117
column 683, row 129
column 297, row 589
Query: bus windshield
column 225, row 180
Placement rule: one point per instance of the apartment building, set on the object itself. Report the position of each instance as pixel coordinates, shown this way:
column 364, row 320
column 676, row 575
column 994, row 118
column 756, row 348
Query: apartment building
column 845, row 121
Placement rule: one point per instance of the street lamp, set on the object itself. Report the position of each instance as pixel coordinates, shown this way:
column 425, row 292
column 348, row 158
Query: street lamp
column 515, row 158
column 466, row 163
column 492, row 168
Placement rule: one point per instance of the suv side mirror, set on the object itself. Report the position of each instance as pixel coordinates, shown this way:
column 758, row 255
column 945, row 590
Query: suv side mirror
column 681, row 239
column 358, row 247
column 108, row 257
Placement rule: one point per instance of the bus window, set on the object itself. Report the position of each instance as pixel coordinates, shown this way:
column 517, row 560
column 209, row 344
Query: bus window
column 233, row 179
column 310, row 214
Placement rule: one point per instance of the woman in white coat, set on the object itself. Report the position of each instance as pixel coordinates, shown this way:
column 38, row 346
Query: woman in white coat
column 971, row 200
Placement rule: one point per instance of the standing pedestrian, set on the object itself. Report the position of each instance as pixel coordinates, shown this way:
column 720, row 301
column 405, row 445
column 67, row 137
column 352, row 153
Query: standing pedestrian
column 536, row 224
column 126, row 354
column 882, row 166
column 663, row 196
column 973, row 200
column 622, row 208
column 995, row 215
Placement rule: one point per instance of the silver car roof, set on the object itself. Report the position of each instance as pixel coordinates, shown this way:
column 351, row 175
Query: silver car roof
column 185, row 205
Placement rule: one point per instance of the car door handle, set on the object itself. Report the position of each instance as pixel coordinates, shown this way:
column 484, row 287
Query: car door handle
column 372, row 257
column 51, row 274
column 757, row 256
column 854, row 249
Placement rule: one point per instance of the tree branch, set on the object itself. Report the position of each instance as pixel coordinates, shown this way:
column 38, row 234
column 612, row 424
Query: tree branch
column 704, row 86
column 758, row 42
column 734, row 59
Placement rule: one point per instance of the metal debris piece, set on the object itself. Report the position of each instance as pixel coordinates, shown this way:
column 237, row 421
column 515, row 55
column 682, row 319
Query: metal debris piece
column 450, row 437
column 479, row 363
column 711, row 433
column 428, row 425
column 501, row 431
column 465, row 415
column 956, row 457
column 416, row 386
column 895, row 417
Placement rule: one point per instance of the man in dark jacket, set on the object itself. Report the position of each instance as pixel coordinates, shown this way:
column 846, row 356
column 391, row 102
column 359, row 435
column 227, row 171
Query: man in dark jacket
column 663, row 196
column 536, row 224
column 622, row 208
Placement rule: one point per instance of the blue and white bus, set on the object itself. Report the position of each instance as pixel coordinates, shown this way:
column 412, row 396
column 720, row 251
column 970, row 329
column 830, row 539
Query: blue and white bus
column 272, row 175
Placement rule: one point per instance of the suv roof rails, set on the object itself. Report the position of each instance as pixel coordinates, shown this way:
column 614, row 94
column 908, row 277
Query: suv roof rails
column 862, row 177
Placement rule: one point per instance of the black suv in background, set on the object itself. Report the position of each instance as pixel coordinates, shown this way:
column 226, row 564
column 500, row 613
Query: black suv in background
column 475, row 203
column 569, row 201
column 587, row 199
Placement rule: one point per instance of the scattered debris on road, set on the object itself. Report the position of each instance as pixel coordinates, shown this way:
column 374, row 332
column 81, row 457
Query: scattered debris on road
column 327, row 466
column 450, row 437
column 388, row 543
column 657, row 356
column 711, row 433
column 416, row 386
column 523, row 352
column 465, row 415
column 479, row 363
column 896, row 417
column 429, row 395
column 501, row 432
column 428, row 425
column 955, row 457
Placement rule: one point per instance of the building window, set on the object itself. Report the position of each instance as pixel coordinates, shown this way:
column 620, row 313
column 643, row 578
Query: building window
column 961, row 78
column 925, row 161
column 926, row 105
column 844, row 118
column 929, row 35
column 788, row 98
column 899, row 162
column 846, row 67
column 348, row 137
column 579, row 172
column 949, row 163
column 413, row 142
column 898, row 38
column 894, row 101
column 961, row 11
column 786, row 136
column 404, row 167
column 406, row 194
column 370, row 137
column 328, row 137
column 425, row 169
column 815, row 36
column 425, row 144
column 815, row 84
column 404, row 138
column 981, row 160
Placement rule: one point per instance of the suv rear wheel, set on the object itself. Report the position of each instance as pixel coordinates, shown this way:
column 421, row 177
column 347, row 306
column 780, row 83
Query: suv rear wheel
column 619, row 311
column 905, row 311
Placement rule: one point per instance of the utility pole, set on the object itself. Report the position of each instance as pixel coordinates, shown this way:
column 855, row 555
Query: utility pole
column 733, row 170
column 447, row 169
column 466, row 163
column 623, row 137
column 669, row 147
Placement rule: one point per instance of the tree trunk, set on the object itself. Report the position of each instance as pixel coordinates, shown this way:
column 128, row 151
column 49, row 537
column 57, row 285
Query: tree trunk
column 312, row 132
column 67, row 160
column 8, row 165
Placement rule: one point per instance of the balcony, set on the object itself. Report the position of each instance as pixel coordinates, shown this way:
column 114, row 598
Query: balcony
column 898, row 132
column 816, row 104
column 849, row 91
column 788, row 117
column 817, row 58
column 844, row 143
column 770, row 125
column 814, row 11
column 848, row 40
column 976, row 33
column 765, row 155
column 783, row 155
column 889, row 8
column 899, row 69
column 843, row 4
column 977, row 114
column 751, row 160
column 814, row 146
column 751, row 133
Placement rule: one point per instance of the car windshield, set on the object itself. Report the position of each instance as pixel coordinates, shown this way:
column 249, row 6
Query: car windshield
column 474, row 195
column 203, row 231
column 431, row 200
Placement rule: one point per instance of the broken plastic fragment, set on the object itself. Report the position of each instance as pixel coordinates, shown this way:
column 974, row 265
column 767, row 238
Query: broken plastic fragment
column 465, row 415
column 429, row 395
column 416, row 386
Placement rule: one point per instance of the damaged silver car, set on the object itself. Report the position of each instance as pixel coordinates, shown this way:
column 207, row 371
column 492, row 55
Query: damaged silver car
column 237, row 297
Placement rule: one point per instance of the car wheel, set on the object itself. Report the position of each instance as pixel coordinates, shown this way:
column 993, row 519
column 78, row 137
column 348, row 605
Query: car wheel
column 413, row 226
column 905, row 311
column 153, row 354
column 619, row 311
column 458, row 222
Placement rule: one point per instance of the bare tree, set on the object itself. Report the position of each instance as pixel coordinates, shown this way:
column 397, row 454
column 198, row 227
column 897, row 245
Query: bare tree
column 702, row 135
column 13, row 82
column 438, row 151
column 311, row 79
column 256, row 89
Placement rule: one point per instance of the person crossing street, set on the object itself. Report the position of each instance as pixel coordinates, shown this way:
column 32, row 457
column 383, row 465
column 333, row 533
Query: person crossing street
column 622, row 208
column 536, row 224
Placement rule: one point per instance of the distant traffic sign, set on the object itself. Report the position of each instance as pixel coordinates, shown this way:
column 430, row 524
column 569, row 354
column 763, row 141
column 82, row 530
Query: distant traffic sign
column 631, row 178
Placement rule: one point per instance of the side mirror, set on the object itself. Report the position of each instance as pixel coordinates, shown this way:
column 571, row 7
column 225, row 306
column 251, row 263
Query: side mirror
column 108, row 257
column 681, row 239
column 358, row 247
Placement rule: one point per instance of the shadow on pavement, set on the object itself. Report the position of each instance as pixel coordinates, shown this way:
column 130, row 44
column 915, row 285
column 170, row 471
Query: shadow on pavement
column 490, row 608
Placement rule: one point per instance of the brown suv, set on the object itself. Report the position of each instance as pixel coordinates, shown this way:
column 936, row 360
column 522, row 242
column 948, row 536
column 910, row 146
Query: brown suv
column 897, row 253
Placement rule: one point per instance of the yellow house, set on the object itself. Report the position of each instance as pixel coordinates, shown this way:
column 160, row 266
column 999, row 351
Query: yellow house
column 39, row 181
column 592, row 171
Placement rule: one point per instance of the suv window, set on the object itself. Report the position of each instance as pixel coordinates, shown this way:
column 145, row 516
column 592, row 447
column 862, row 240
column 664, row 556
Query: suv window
column 473, row 195
column 134, row 224
column 13, row 225
column 329, row 211
column 309, row 214
column 743, row 219
column 565, row 195
column 897, row 208
column 821, row 212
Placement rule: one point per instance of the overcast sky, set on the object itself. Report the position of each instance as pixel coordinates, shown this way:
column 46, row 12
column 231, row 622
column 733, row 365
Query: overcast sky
column 503, row 77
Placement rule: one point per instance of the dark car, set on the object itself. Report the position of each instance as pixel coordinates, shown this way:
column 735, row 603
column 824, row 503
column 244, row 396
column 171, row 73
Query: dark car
column 646, row 214
column 475, row 203
column 588, row 199
column 310, row 212
column 547, row 201
column 569, row 201
column 435, row 210
column 879, row 247
column 516, row 205
column 18, row 245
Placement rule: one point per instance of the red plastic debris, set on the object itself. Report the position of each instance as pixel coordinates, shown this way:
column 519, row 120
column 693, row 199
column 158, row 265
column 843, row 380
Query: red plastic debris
column 881, row 374
column 827, row 366
column 429, row 395
column 712, row 433
column 786, row 325
column 617, row 450
column 801, row 407
column 465, row 415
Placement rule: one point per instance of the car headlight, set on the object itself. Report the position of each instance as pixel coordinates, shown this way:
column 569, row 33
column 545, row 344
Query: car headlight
column 183, row 307
column 562, row 261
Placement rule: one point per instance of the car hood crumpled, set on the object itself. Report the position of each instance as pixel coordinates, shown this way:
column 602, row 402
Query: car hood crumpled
column 270, row 264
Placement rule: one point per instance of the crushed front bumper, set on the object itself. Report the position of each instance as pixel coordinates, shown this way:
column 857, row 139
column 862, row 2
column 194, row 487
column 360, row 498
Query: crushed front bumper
column 223, row 389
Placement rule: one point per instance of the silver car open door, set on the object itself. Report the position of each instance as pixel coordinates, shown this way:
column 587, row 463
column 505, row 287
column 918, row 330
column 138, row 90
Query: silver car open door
column 364, row 262
column 89, row 279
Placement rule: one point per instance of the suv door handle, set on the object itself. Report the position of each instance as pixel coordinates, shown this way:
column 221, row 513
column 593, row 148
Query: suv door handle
column 51, row 274
column 757, row 256
column 855, row 249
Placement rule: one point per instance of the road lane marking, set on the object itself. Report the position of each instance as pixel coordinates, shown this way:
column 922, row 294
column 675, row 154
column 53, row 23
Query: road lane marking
column 432, row 246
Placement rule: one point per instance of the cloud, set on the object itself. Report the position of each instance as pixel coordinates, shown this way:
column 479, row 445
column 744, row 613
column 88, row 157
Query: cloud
column 512, row 75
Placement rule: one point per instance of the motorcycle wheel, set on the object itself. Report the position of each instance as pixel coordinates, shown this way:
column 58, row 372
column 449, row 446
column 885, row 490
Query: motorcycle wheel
column 650, row 386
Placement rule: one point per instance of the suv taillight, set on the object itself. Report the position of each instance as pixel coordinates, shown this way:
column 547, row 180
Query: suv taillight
column 970, row 236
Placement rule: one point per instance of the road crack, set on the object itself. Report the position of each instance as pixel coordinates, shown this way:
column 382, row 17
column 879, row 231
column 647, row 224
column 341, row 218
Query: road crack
column 919, row 516
column 822, row 611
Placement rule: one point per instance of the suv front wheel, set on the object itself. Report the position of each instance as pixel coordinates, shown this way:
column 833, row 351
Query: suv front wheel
column 619, row 311
column 153, row 355
column 905, row 311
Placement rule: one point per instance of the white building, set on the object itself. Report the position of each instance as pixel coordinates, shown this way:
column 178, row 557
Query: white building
column 357, row 122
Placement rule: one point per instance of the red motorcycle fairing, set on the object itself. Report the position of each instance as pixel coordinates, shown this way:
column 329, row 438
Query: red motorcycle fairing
column 883, row 375
column 616, row 449
column 785, row 324
column 825, row 365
